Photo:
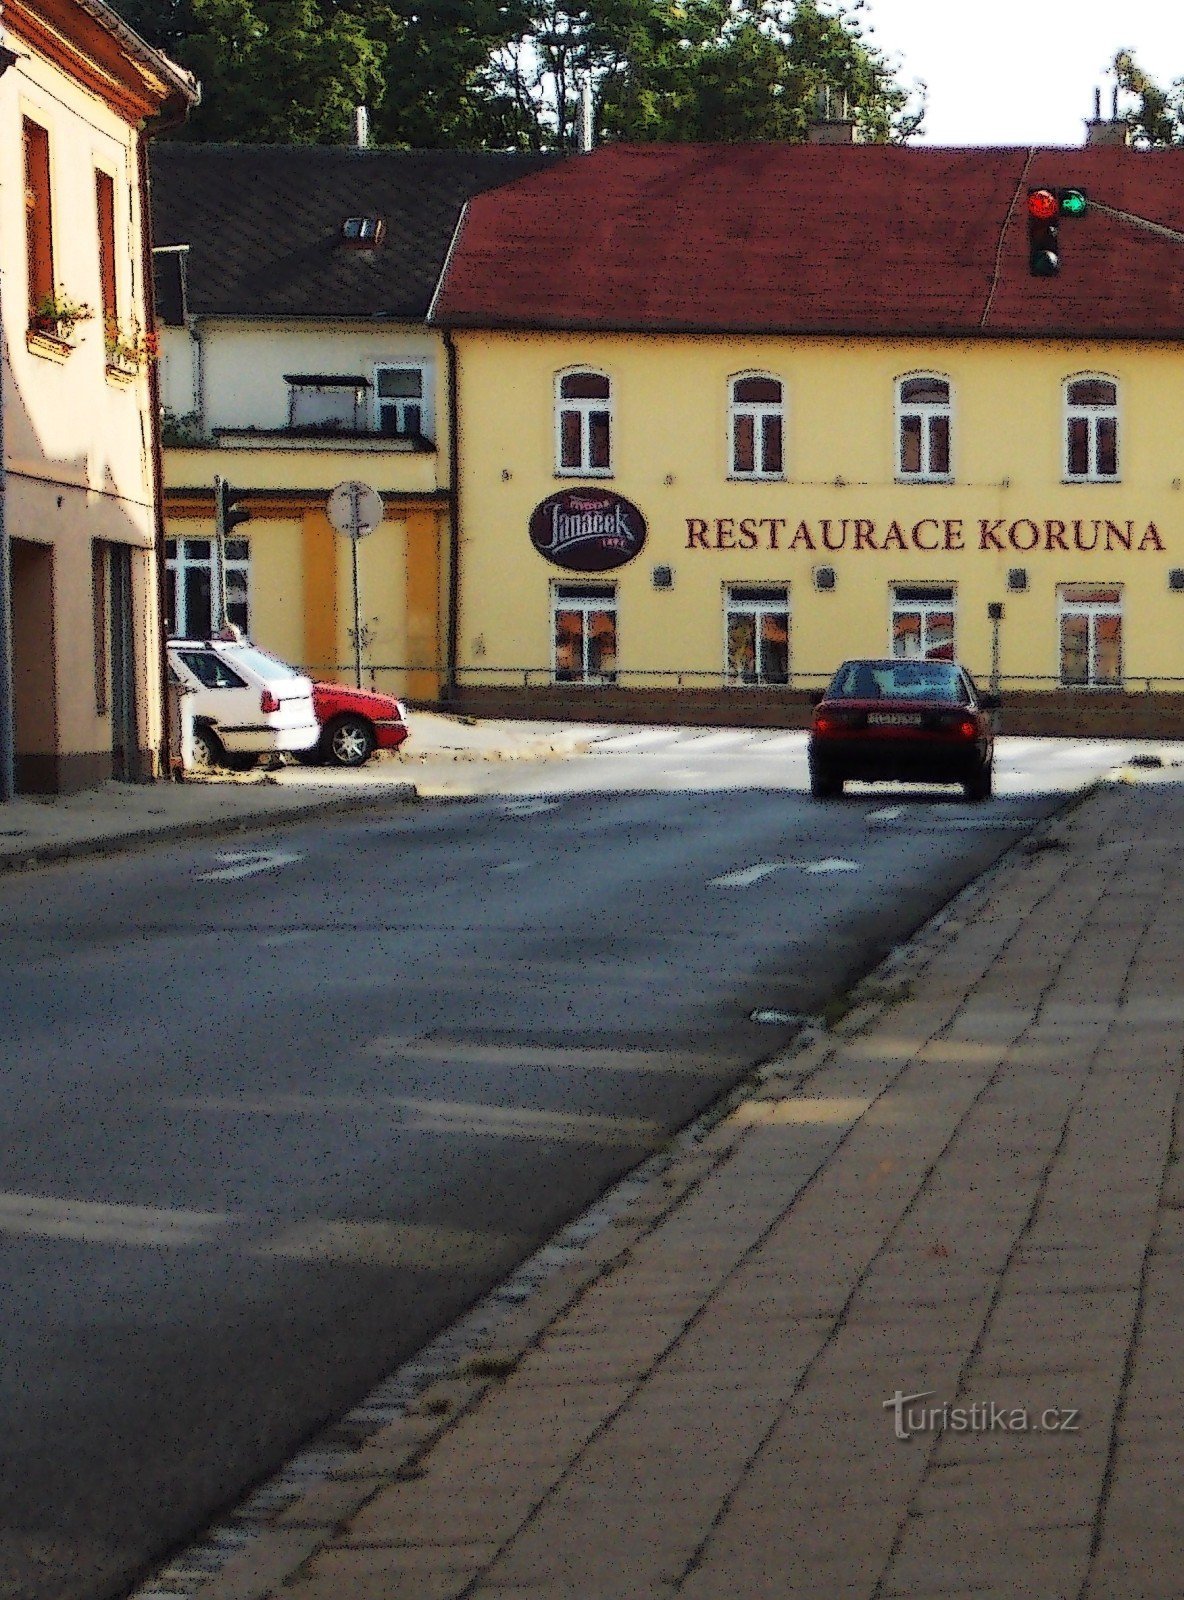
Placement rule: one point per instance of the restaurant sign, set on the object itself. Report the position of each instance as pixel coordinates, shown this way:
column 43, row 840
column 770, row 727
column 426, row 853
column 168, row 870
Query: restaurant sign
column 587, row 530
column 1019, row 535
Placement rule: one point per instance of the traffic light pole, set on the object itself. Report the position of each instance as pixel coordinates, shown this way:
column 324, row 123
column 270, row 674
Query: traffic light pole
column 218, row 617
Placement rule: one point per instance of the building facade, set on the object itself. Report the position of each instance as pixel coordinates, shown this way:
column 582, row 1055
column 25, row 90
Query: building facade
column 80, row 96
column 730, row 415
column 295, row 284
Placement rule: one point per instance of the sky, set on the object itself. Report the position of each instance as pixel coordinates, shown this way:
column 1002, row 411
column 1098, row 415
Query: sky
column 1020, row 71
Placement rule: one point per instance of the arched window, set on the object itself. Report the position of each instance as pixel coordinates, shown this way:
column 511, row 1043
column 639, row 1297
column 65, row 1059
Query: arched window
column 1091, row 428
column 923, row 428
column 756, row 426
column 583, row 424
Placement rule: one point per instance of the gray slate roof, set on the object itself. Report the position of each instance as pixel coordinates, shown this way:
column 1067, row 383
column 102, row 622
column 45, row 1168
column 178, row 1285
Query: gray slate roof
column 263, row 223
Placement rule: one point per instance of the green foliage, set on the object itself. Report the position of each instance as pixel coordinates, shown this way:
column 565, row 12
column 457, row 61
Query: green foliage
column 1157, row 117
column 507, row 74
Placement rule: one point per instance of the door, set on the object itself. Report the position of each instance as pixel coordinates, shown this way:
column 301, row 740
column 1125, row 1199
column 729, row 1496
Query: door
column 125, row 742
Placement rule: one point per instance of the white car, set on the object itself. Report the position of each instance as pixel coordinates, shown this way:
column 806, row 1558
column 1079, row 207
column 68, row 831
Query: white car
column 244, row 702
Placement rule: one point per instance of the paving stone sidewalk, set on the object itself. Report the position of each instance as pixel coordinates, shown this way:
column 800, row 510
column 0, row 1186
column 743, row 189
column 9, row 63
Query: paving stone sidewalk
column 969, row 1193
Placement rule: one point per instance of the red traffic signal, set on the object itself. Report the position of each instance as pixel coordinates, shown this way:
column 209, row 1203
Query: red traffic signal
column 1045, row 209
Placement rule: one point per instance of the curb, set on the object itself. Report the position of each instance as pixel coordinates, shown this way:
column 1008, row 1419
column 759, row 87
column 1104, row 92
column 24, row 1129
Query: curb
column 50, row 854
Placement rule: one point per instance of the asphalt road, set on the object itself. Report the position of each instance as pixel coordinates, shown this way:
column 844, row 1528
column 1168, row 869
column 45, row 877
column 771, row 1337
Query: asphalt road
column 276, row 1112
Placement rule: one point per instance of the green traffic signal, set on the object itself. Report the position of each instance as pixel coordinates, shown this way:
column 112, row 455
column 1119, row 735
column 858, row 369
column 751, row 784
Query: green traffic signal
column 1072, row 202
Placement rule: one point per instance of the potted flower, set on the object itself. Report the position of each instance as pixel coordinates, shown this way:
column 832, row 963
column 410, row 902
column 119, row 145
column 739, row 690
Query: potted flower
column 129, row 348
column 55, row 315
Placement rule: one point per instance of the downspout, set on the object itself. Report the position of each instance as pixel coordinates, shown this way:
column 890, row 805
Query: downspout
column 450, row 666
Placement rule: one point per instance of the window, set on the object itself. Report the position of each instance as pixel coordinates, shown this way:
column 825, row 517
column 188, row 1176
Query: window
column 105, row 207
column 923, row 433
column 923, row 623
column 583, row 424
column 1090, row 617
column 757, row 635
column 38, row 216
column 189, row 588
column 401, row 401
column 585, row 633
column 325, row 402
column 1091, row 429
column 210, row 671
column 756, row 425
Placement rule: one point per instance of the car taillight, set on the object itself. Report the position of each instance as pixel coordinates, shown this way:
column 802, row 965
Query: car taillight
column 268, row 701
column 967, row 729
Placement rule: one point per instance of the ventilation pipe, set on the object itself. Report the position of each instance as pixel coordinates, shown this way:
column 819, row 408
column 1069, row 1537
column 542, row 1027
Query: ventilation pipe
column 1113, row 130
column 584, row 119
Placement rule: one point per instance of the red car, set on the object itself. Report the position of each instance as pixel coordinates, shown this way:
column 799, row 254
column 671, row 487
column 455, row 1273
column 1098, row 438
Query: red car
column 913, row 721
column 355, row 723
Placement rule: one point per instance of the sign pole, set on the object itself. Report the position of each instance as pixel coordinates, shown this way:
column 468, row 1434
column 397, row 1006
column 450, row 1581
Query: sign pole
column 355, row 533
column 355, row 509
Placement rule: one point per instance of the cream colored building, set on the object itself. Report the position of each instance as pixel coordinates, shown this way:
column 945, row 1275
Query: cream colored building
column 79, row 99
column 294, row 285
column 730, row 415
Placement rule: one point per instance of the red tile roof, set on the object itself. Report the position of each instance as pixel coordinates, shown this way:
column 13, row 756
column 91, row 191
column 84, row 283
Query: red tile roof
column 804, row 239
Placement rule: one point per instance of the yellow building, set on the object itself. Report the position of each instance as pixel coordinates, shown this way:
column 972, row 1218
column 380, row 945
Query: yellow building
column 728, row 415
column 294, row 284
column 80, row 95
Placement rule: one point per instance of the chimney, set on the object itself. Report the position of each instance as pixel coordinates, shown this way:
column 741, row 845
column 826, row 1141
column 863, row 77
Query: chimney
column 362, row 126
column 827, row 127
column 1115, row 131
column 584, row 119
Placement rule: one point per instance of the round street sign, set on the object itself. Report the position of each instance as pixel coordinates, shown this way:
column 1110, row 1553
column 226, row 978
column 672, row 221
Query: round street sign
column 354, row 508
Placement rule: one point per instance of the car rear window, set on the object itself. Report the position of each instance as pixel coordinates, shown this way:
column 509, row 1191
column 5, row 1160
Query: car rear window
column 211, row 670
column 261, row 664
column 900, row 680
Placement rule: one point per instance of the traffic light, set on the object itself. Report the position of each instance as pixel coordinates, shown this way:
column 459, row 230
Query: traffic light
column 228, row 513
column 1046, row 207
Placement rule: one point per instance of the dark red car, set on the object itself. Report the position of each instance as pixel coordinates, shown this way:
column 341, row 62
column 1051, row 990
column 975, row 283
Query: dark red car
column 912, row 721
column 355, row 723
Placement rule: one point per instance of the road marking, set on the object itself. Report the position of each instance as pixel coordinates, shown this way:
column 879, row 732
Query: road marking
column 832, row 864
column 886, row 814
column 95, row 1222
column 508, row 867
column 245, row 863
column 528, row 808
column 747, row 875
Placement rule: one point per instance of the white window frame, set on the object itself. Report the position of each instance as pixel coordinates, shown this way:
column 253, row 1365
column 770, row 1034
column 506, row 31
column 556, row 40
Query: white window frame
column 595, row 597
column 1091, row 415
column 400, row 402
column 178, row 565
column 760, row 411
column 926, row 411
column 583, row 406
column 1094, row 611
column 757, row 600
column 929, row 600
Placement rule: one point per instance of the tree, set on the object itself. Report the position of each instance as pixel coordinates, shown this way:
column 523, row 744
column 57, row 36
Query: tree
column 272, row 71
column 508, row 74
column 1157, row 118
column 695, row 69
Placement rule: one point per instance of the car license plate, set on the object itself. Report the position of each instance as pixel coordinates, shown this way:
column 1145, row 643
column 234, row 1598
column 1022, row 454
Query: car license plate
column 894, row 719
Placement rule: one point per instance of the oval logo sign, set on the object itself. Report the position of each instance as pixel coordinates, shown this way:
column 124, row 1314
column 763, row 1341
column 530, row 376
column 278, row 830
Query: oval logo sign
column 587, row 530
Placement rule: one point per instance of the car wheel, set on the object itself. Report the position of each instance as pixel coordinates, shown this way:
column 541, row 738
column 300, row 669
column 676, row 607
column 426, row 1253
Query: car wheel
column 824, row 785
column 981, row 785
column 349, row 742
column 207, row 750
